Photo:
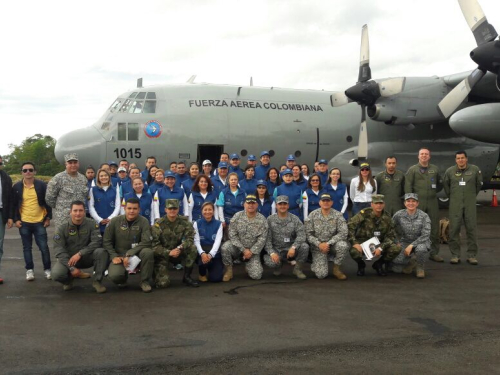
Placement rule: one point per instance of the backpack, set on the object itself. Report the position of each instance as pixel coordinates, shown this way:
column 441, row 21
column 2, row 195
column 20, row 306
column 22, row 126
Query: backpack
column 444, row 230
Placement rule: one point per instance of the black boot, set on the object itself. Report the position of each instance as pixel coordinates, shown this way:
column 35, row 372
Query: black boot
column 378, row 266
column 361, row 268
column 187, row 278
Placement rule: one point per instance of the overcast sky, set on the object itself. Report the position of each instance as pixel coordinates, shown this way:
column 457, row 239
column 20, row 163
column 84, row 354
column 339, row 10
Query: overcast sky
column 65, row 62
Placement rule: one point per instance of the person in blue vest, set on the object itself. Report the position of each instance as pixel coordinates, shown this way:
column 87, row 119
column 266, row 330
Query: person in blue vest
column 305, row 171
column 273, row 180
column 252, row 160
column 323, row 171
column 249, row 183
column 338, row 191
column 126, row 187
column 220, row 179
column 208, row 235
column 206, row 167
column 169, row 191
column 182, row 175
column 234, row 166
column 122, row 175
column 265, row 202
column 224, row 158
column 106, row 167
column 158, row 182
column 299, row 180
column 150, row 180
column 113, row 169
column 292, row 191
column 104, row 200
column 145, row 198
column 312, row 195
column 265, row 165
column 201, row 192
column 150, row 161
column 187, row 184
column 290, row 162
column 230, row 200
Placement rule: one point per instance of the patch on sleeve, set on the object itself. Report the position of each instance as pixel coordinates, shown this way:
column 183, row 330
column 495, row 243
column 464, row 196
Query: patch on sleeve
column 157, row 225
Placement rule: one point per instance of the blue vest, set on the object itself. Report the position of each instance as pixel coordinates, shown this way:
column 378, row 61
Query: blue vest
column 266, row 208
column 238, row 171
column 218, row 185
column 198, row 202
column 207, row 230
column 104, row 202
column 302, row 185
column 249, row 186
column 187, row 185
column 271, row 186
column 127, row 188
column 144, row 202
column 323, row 177
column 294, row 194
column 122, row 180
column 154, row 187
column 232, row 204
column 165, row 193
column 337, row 196
column 180, row 178
column 312, row 200
column 144, row 175
column 261, row 171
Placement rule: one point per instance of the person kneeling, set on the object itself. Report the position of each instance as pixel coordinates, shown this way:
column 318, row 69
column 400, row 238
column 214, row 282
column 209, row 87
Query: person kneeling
column 127, row 236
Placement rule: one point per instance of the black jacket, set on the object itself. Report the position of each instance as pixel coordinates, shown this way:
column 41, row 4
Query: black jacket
column 6, row 191
column 17, row 199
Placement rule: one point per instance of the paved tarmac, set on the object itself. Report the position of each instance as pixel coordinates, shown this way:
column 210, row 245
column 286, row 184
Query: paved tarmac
column 448, row 323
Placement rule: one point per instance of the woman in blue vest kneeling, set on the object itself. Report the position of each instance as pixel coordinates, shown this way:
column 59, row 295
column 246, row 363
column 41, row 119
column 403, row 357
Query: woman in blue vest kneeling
column 104, row 200
column 201, row 192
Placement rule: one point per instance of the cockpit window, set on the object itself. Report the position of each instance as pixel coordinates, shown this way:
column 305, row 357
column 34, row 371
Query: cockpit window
column 126, row 105
column 141, row 95
column 136, row 107
column 151, row 95
column 140, row 106
column 105, row 125
column 150, row 106
column 116, row 104
column 132, row 95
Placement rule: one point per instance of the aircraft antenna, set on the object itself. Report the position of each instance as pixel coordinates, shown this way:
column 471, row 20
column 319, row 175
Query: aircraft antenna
column 191, row 79
column 139, row 83
column 251, row 81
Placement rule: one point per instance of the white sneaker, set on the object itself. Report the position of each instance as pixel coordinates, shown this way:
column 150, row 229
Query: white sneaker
column 48, row 274
column 30, row 275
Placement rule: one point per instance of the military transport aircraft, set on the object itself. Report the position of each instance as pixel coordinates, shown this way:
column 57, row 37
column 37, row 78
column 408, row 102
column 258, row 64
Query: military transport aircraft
column 194, row 122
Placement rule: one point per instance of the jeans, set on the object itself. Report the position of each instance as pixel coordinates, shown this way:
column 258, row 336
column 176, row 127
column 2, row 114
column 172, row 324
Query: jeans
column 27, row 232
column 358, row 206
column 2, row 234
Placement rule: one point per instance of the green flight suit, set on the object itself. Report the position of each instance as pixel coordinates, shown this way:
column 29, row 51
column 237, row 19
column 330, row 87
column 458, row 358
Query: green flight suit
column 365, row 225
column 392, row 187
column 462, row 187
column 118, row 239
column 167, row 235
column 426, row 182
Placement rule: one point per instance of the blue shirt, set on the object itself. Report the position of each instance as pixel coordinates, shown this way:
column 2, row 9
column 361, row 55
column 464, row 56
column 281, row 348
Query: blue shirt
column 231, row 202
column 261, row 171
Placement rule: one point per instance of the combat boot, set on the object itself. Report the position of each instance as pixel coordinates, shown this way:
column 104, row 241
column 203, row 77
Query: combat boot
column 187, row 278
column 377, row 266
column 146, row 288
column 297, row 271
column 99, row 288
column 69, row 286
column 228, row 275
column 455, row 260
column 84, row 275
column 420, row 272
column 436, row 258
column 472, row 261
column 361, row 268
column 203, row 278
column 337, row 273
column 409, row 267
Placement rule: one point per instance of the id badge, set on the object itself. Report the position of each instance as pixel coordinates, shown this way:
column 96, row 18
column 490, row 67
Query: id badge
column 134, row 245
column 461, row 183
column 376, row 233
column 286, row 240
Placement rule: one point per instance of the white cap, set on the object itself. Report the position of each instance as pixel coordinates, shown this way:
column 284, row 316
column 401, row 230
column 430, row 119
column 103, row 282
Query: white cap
column 207, row 162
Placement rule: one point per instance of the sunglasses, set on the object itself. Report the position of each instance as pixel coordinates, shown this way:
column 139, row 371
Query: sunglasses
column 26, row 170
column 364, row 169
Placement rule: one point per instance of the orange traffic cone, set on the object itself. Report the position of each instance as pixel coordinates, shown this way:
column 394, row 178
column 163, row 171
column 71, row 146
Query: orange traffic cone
column 494, row 201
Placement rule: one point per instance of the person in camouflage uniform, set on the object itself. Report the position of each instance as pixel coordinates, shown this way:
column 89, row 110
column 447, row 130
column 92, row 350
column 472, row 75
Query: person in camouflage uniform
column 286, row 240
column 326, row 231
column 173, row 241
column 391, row 184
column 247, row 237
column 125, row 236
column 425, row 180
column 368, row 223
column 413, row 230
column 462, row 183
column 78, row 244
column 66, row 187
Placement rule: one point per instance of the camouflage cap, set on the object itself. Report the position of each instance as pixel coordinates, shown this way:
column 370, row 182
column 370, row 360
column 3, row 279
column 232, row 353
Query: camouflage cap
column 281, row 199
column 71, row 156
column 377, row 198
column 411, row 196
column 172, row 203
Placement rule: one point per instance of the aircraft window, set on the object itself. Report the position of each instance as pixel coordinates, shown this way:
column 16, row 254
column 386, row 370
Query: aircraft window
column 115, row 105
column 150, row 106
column 271, row 153
column 141, row 95
column 122, row 131
column 133, row 132
column 243, row 152
column 126, row 105
column 132, row 95
column 349, row 139
column 298, row 154
column 136, row 107
column 105, row 125
column 151, row 95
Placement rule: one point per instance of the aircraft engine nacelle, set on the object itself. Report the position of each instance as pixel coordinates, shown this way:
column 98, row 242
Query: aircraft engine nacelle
column 479, row 122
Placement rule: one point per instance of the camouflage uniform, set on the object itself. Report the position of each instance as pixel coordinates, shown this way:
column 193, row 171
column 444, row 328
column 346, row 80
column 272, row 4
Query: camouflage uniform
column 462, row 187
column 85, row 239
column 426, row 182
column 245, row 233
column 119, row 237
column 282, row 235
column 167, row 235
column 392, row 187
column 61, row 191
column 412, row 230
column 331, row 229
column 366, row 225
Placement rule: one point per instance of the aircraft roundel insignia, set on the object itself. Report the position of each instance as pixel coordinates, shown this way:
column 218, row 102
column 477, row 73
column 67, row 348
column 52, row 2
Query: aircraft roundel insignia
column 152, row 129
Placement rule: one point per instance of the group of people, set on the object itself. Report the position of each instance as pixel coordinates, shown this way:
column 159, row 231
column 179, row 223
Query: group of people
column 121, row 219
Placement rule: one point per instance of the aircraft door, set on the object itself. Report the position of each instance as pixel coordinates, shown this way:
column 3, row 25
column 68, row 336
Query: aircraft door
column 210, row 152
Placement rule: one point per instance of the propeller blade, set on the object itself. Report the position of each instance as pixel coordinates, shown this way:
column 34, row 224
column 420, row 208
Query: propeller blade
column 474, row 15
column 363, row 136
column 339, row 99
column 365, row 73
column 456, row 96
column 391, row 86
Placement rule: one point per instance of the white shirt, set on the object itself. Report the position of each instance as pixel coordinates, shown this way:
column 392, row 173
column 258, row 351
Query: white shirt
column 362, row 196
column 215, row 246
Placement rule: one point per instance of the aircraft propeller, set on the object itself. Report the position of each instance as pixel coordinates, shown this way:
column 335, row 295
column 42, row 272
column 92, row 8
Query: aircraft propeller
column 486, row 55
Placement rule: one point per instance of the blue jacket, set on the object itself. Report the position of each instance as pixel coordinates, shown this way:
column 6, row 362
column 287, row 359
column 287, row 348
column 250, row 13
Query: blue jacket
column 294, row 194
column 232, row 204
column 238, row 171
column 249, row 186
column 144, row 202
column 180, row 178
column 312, row 200
column 153, row 188
column 266, row 208
column 165, row 193
column 207, row 231
column 271, row 186
column 126, row 188
column 261, row 171
column 198, row 202
column 17, row 199
column 323, row 177
column 218, row 185
column 104, row 202
column 302, row 184
column 187, row 185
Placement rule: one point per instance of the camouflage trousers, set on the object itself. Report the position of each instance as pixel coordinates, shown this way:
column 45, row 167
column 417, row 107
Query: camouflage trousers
column 187, row 258
column 253, row 266
column 320, row 260
column 301, row 254
column 421, row 254
column 388, row 254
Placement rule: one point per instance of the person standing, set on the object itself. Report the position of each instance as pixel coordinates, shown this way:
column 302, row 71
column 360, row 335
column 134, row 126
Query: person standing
column 66, row 187
column 265, row 202
column 249, row 183
column 207, row 167
column 146, row 204
column 273, row 180
column 234, row 166
column 171, row 190
column 362, row 188
column 252, row 160
column 187, row 184
column 104, row 200
column 201, row 193
column 31, row 214
column 150, row 161
column 220, row 179
column 322, row 171
column 310, row 197
column 425, row 180
column 263, row 168
column 391, row 184
column 5, row 201
column 338, row 191
column 231, row 200
column 462, row 183
column 292, row 191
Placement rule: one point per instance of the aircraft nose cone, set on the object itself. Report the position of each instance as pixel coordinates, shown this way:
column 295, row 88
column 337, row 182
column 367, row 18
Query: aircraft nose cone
column 85, row 142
